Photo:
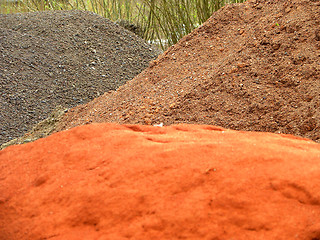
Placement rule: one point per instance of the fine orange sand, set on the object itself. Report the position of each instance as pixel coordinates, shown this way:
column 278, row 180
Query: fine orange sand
column 108, row 181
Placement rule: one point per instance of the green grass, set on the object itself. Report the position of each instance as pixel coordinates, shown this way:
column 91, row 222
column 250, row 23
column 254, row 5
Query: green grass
column 161, row 21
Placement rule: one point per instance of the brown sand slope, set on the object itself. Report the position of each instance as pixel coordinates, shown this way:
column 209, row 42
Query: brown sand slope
column 252, row 66
column 61, row 58
column 106, row 181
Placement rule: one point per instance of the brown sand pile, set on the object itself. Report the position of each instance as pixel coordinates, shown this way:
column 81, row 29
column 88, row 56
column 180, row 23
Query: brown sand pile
column 61, row 58
column 252, row 66
column 104, row 181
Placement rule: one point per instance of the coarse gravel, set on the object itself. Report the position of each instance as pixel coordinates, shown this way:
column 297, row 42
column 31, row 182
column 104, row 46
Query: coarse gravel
column 61, row 58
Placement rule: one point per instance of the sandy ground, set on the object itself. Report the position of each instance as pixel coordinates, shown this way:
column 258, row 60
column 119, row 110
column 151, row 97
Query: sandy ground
column 251, row 66
column 107, row 181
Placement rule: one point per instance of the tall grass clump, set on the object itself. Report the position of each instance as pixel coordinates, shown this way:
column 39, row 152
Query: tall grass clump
column 161, row 21
column 167, row 21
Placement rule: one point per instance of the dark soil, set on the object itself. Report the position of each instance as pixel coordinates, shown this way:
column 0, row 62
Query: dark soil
column 252, row 66
column 62, row 58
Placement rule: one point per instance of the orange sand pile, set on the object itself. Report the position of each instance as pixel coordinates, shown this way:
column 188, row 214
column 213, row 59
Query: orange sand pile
column 107, row 181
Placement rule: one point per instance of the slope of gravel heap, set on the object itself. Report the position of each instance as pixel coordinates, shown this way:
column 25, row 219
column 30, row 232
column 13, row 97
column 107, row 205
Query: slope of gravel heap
column 251, row 66
column 62, row 58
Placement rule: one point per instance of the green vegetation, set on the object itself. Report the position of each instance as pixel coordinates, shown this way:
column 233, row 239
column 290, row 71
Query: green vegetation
column 161, row 21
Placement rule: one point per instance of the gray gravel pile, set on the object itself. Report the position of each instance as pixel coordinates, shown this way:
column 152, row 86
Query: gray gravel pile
column 61, row 58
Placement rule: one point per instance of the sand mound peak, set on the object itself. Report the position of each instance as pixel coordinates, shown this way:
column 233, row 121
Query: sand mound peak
column 251, row 66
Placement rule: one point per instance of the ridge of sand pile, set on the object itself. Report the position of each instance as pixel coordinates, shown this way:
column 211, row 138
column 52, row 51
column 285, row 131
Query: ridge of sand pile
column 251, row 66
column 107, row 181
column 62, row 58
